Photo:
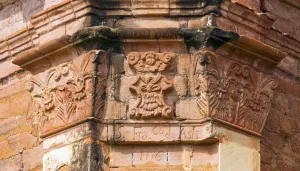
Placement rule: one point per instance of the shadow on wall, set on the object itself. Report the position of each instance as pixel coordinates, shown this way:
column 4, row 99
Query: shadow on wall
column 20, row 10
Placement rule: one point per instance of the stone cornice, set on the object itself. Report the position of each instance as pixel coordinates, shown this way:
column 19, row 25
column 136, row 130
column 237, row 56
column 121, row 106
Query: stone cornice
column 111, row 127
column 261, row 24
column 43, row 22
column 68, row 11
column 207, row 37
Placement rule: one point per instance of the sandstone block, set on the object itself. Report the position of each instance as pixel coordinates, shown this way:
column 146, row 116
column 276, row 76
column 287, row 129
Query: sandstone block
column 149, row 156
column 251, row 4
column 181, row 86
column 32, row 158
column 142, row 4
column 12, row 163
column 130, row 133
column 26, row 138
column 121, row 156
column 3, row 148
column 295, row 143
column 266, row 154
column 185, row 109
column 183, row 64
column 198, row 22
column 4, row 108
column 6, row 125
column 20, row 103
column 9, row 68
column 175, row 155
column 115, row 110
column 206, row 156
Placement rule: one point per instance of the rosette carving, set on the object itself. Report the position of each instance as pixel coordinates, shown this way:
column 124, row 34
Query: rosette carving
column 150, row 84
column 231, row 91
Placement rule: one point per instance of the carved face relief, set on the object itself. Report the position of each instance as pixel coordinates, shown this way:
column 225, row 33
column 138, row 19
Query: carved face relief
column 149, row 85
column 231, row 91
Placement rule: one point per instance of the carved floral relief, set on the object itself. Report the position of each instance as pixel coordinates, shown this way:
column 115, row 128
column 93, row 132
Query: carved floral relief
column 150, row 85
column 65, row 95
column 231, row 91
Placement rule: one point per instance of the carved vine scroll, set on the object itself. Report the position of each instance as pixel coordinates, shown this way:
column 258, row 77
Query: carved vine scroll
column 150, row 84
column 231, row 91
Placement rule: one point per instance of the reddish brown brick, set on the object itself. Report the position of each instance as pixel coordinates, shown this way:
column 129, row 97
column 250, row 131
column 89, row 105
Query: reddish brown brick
column 13, row 163
column 33, row 158
column 6, row 125
column 27, row 141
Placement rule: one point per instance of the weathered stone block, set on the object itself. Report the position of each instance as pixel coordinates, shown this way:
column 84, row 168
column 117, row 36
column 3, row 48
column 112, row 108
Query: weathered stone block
column 121, row 156
column 20, row 103
column 187, row 109
column 131, row 133
column 6, row 125
column 4, row 108
column 33, row 158
column 114, row 110
column 12, row 163
column 26, row 138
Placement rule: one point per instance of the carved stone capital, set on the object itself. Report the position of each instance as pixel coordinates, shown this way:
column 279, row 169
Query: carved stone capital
column 231, row 91
column 68, row 93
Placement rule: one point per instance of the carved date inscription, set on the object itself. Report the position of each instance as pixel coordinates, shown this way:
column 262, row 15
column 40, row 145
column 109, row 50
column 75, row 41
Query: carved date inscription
column 155, row 155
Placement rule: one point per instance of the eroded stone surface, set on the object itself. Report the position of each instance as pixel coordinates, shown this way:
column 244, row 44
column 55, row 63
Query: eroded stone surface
column 266, row 21
column 63, row 94
column 167, row 156
column 149, row 85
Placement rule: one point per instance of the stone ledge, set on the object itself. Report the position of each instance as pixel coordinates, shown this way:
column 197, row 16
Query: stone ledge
column 197, row 38
column 261, row 24
column 143, row 132
column 34, row 33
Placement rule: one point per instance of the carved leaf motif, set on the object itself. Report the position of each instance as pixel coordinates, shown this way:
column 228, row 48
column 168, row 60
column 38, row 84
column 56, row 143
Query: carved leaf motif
column 242, row 109
column 99, row 102
column 231, row 94
column 207, row 101
column 63, row 94
column 65, row 104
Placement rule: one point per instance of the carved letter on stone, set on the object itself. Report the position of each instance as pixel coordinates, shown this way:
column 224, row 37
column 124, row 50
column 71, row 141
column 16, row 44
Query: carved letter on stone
column 231, row 91
column 150, row 84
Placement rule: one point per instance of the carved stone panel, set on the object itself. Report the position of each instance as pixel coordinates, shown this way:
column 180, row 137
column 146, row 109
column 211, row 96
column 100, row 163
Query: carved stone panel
column 64, row 94
column 231, row 91
column 150, row 84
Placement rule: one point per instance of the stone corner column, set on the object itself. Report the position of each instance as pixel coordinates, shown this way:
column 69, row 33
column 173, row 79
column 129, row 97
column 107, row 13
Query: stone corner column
column 68, row 100
column 201, row 108
column 64, row 100
column 233, row 84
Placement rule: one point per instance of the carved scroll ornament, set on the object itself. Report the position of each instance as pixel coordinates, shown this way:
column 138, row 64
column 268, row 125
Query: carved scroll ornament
column 231, row 91
column 63, row 97
column 150, row 84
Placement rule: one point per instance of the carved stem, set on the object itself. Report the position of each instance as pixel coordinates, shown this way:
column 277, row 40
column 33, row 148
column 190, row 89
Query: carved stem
column 96, row 62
